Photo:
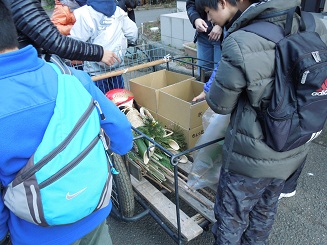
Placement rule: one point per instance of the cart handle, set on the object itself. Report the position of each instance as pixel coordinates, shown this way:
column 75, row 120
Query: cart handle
column 132, row 68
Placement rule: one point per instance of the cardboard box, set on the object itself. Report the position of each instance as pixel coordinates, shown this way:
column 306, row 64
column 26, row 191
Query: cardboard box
column 191, row 135
column 175, row 104
column 145, row 88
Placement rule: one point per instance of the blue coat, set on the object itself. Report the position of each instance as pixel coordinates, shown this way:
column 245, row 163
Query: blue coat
column 28, row 88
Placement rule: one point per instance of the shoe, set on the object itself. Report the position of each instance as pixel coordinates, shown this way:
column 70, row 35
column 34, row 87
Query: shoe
column 286, row 195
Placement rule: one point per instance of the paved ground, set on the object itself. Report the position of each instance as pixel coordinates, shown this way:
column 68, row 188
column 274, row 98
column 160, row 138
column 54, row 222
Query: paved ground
column 142, row 16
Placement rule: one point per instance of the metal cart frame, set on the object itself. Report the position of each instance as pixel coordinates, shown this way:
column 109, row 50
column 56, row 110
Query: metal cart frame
column 152, row 62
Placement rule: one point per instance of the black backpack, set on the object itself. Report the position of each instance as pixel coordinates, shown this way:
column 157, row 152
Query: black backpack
column 297, row 111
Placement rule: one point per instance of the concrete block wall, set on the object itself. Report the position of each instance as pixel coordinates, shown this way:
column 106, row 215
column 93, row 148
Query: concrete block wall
column 176, row 29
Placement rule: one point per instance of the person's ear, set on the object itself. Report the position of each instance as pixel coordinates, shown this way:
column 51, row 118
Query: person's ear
column 223, row 3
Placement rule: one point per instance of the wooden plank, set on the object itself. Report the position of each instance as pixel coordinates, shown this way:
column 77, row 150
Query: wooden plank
column 198, row 218
column 205, row 207
column 167, row 209
column 135, row 170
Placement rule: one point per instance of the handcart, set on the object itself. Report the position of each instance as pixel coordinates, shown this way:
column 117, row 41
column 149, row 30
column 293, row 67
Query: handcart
column 130, row 185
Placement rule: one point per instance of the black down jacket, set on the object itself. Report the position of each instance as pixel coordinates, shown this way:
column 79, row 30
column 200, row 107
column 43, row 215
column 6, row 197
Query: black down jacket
column 35, row 27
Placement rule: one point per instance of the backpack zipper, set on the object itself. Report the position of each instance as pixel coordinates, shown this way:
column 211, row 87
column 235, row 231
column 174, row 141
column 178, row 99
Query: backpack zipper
column 113, row 170
column 320, row 52
column 304, row 76
column 302, row 79
column 63, row 144
column 103, row 117
column 70, row 165
column 311, row 68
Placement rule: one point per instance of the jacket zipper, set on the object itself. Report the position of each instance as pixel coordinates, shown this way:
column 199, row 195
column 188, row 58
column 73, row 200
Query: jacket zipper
column 62, row 146
column 70, row 165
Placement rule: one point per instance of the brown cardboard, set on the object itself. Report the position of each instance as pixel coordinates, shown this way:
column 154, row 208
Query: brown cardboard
column 175, row 104
column 145, row 88
column 191, row 135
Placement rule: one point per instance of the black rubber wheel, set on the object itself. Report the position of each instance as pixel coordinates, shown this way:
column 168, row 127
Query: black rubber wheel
column 122, row 195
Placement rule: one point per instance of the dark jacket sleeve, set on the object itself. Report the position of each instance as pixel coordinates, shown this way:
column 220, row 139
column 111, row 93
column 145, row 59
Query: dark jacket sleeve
column 193, row 14
column 131, row 15
column 191, row 11
column 34, row 25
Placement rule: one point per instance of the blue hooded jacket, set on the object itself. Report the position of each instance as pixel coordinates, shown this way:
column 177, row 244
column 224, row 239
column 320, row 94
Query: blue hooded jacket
column 29, row 90
column 106, row 7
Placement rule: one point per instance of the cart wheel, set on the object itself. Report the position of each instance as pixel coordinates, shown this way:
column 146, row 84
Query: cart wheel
column 122, row 191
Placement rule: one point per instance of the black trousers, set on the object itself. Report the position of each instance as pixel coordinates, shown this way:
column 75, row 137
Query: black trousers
column 291, row 182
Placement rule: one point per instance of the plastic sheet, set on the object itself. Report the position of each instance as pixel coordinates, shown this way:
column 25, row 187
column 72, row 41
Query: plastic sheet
column 207, row 161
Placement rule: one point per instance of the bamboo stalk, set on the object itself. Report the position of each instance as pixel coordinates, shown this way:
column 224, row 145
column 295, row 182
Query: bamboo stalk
column 168, row 171
column 160, row 184
column 168, row 174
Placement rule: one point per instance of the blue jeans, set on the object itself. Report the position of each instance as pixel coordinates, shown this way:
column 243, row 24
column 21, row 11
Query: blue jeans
column 207, row 51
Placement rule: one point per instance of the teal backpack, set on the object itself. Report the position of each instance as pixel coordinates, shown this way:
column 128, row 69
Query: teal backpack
column 69, row 175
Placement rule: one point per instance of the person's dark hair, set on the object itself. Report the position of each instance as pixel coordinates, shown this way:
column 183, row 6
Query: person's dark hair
column 131, row 3
column 213, row 4
column 8, row 33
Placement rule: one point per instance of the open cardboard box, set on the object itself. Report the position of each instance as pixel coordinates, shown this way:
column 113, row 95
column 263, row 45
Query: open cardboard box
column 145, row 88
column 175, row 104
column 191, row 135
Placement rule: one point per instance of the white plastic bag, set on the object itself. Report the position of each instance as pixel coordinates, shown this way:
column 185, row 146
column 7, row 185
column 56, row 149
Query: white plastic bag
column 207, row 161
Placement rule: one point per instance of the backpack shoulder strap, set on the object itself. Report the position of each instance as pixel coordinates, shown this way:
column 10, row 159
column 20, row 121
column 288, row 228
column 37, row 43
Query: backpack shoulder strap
column 59, row 64
column 266, row 30
column 309, row 21
column 275, row 33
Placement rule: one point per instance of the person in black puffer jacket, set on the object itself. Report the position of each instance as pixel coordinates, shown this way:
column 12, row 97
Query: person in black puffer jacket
column 128, row 6
column 35, row 27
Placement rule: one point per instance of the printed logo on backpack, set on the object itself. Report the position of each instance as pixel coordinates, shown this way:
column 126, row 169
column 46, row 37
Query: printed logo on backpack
column 68, row 177
column 297, row 111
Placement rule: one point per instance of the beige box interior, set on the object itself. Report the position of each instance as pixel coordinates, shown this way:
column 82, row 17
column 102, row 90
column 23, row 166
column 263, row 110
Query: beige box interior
column 176, row 104
column 145, row 88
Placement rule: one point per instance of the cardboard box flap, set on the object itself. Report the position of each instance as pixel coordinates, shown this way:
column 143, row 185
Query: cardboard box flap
column 176, row 103
column 145, row 88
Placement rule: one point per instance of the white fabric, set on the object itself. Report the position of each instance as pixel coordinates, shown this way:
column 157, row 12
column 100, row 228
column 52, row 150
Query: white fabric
column 111, row 33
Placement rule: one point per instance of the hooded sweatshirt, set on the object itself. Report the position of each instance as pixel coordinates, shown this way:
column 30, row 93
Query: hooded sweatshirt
column 106, row 7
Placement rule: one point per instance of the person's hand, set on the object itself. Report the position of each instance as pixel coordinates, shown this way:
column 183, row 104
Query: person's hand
column 200, row 25
column 199, row 97
column 109, row 57
column 215, row 33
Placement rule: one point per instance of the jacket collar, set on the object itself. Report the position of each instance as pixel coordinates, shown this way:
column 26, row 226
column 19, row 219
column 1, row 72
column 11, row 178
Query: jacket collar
column 19, row 61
